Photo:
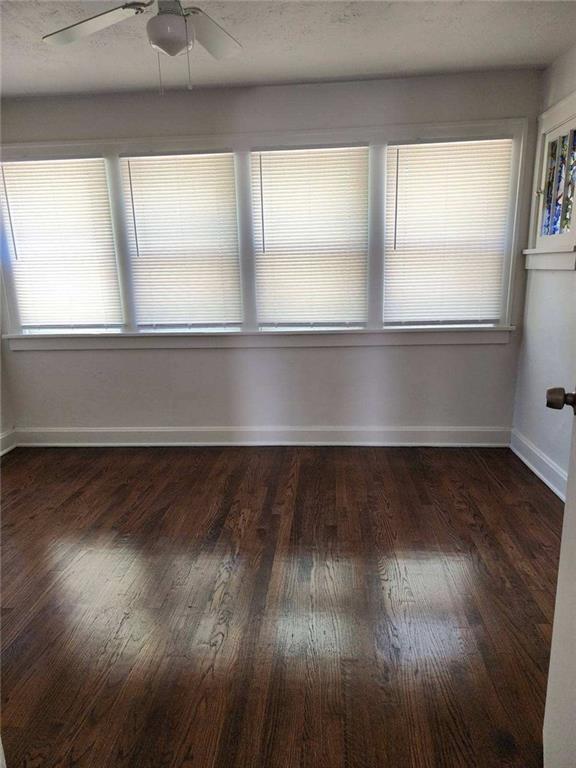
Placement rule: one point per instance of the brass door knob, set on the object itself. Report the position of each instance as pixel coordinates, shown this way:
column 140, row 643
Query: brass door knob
column 557, row 398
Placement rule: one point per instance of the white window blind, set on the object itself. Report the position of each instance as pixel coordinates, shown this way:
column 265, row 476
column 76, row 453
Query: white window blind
column 310, row 210
column 181, row 219
column 447, row 211
column 56, row 217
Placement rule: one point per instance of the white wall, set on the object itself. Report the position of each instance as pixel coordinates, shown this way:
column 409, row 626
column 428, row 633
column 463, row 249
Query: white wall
column 440, row 386
column 560, row 78
column 547, row 359
column 477, row 96
column 7, row 420
column 382, row 388
column 548, row 349
column 7, row 415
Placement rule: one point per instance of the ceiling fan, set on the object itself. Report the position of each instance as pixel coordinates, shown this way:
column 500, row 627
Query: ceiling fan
column 168, row 30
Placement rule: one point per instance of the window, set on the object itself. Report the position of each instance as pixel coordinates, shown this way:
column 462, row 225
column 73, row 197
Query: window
column 310, row 210
column 60, row 243
column 447, row 230
column 342, row 237
column 181, row 219
column 559, row 184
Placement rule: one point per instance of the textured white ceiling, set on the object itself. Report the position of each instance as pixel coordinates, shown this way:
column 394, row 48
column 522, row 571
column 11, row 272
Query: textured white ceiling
column 284, row 42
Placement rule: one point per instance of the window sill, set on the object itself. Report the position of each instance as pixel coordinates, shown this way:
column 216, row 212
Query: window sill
column 391, row 336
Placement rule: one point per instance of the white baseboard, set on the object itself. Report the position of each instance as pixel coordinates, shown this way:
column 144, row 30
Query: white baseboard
column 542, row 465
column 7, row 441
column 281, row 435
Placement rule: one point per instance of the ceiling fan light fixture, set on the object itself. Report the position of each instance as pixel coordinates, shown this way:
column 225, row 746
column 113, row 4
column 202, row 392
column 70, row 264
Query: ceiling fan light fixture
column 167, row 33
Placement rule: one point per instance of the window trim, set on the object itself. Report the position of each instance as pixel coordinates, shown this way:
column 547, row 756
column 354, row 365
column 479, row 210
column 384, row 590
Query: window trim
column 391, row 337
column 9, row 295
column 377, row 138
column 511, row 246
column 378, row 248
column 130, row 220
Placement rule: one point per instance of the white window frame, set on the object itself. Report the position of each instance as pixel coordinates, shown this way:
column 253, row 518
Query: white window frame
column 554, row 252
column 375, row 333
column 375, row 227
column 117, row 197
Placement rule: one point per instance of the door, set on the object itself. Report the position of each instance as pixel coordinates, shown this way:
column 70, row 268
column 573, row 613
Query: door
column 560, row 715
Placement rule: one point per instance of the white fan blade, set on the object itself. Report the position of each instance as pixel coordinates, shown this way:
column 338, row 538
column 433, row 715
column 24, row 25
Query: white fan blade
column 89, row 26
column 212, row 36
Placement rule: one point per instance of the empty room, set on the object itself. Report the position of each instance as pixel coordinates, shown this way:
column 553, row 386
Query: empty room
column 288, row 374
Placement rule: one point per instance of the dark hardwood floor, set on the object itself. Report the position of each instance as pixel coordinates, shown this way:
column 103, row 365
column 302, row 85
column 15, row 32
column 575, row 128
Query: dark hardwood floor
column 263, row 607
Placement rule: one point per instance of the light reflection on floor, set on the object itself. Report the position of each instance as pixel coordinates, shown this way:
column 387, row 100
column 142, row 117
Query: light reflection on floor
column 414, row 604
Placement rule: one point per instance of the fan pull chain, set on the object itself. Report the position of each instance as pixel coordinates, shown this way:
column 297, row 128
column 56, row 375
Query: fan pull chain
column 188, row 52
column 160, row 83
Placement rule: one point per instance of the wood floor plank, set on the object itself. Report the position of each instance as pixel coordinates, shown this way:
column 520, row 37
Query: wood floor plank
column 275, row 608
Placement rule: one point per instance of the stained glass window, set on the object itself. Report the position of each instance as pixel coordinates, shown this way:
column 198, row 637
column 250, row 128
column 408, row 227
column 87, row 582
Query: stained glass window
column 549, row 188
column 559, row 185
column 570, row 185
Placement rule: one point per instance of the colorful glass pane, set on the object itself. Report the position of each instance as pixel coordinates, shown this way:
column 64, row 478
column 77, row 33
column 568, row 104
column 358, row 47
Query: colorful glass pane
column 560, row 184
column 569, row 186
column 549, row 186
